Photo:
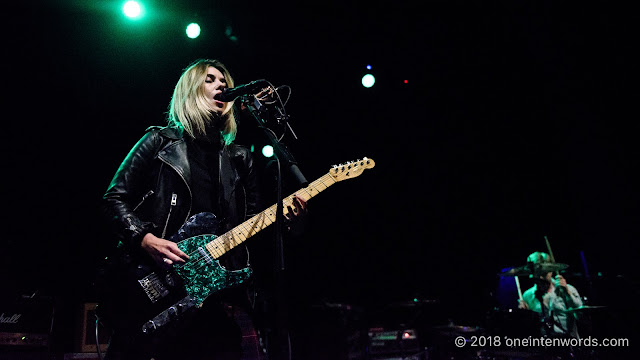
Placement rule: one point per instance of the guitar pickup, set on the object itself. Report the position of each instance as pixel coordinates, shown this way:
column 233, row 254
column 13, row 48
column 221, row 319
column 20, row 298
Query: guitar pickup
column 153, row 287
column 205, row 255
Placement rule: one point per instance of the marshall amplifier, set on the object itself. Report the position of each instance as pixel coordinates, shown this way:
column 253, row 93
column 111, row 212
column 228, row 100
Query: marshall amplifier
column 26, row 322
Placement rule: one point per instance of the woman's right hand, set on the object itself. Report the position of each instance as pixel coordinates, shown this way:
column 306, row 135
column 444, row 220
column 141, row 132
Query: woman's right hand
column 163, row 252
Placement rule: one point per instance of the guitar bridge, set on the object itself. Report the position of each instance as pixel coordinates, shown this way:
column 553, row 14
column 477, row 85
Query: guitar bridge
column 153, row 287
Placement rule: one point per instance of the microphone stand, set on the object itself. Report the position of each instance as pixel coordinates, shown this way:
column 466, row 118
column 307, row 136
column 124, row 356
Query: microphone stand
column 282, row 156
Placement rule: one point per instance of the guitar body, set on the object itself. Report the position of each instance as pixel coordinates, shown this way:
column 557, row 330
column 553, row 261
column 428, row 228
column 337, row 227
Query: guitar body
column 203, row 275
column 139, row 296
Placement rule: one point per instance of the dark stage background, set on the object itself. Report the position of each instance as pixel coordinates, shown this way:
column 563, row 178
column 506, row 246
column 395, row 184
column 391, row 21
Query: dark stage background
column 518, row 121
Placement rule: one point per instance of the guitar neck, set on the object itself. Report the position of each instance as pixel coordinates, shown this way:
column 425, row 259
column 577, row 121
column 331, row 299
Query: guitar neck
column 236, row 236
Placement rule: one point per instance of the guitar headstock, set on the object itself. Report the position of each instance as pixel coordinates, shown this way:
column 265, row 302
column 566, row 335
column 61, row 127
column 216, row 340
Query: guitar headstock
column 351, row 169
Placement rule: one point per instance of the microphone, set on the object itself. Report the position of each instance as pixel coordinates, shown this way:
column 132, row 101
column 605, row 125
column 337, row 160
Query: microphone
column 231, row 94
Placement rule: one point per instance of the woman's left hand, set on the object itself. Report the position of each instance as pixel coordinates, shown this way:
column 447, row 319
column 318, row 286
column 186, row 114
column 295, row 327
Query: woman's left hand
column 299, row 208
column 295, row 215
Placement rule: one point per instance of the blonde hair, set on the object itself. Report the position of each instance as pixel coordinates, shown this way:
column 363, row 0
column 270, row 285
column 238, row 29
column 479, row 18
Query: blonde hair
column 189, row 108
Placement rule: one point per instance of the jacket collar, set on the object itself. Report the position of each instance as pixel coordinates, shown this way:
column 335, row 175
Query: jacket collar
column 175, row 155
column 172, row 132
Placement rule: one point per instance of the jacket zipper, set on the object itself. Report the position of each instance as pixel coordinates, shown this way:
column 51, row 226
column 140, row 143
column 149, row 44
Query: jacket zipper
column 188, row 188
column 143, row 199
column 174, row 201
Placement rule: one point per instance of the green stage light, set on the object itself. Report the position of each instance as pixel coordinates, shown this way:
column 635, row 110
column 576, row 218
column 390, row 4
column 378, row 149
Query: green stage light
column 132, row 9
column 368, row 80
column 267, row 151
column 193, row 30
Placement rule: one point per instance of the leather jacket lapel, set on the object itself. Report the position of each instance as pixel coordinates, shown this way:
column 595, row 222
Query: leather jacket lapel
column 175, row 155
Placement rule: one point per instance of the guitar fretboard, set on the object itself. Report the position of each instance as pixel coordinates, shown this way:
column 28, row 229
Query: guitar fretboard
column 236, row 236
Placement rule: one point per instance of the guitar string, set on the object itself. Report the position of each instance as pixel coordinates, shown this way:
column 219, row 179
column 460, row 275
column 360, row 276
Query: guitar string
column 224, row 238
column 260, row 222
column 288, row 201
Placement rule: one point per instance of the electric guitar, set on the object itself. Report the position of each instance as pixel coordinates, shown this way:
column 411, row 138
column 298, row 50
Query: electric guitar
column 145, row 297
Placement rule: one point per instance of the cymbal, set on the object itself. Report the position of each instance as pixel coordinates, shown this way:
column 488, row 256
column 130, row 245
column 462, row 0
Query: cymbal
column 584, row 308
column 534, row 269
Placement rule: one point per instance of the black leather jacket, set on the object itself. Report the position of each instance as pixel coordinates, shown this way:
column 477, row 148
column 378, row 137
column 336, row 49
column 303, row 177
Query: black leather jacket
column 151, row 190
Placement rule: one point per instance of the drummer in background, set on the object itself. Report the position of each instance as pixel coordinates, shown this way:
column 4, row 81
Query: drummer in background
column 556, row 295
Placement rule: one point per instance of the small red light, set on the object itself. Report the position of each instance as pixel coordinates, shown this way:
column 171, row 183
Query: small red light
column 406, row 335
column 406, row 81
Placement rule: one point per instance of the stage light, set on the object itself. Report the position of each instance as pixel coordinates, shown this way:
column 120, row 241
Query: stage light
column 132, row 9
column 368, row 80
column 193, row 30
column 267, row 151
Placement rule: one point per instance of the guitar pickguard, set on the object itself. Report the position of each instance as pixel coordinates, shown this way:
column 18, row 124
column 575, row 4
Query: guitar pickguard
column 199, row 277
column 201, row 274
